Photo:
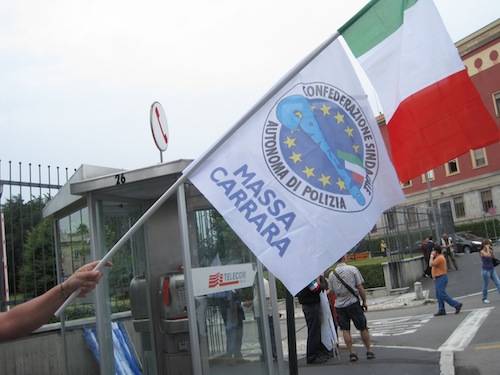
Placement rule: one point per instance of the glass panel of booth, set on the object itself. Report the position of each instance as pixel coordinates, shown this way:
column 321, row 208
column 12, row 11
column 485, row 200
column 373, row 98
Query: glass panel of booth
column 74, row 248
column 231, row 330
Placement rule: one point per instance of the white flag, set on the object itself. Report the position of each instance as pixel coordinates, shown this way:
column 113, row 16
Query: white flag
column 307, row 175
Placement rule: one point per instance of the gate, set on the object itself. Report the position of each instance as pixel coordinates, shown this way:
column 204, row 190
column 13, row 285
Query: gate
column 27, row 263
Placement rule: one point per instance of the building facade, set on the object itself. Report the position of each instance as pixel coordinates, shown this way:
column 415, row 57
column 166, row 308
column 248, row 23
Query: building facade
column 469, row 185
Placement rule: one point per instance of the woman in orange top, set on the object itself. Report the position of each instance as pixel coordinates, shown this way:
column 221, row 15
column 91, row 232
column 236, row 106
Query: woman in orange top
column 437, row 262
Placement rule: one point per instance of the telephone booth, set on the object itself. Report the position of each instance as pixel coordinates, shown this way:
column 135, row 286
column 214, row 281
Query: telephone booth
column 191, row 296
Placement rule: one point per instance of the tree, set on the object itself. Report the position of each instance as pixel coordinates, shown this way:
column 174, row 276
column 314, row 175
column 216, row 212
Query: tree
column 38, row 267
column 20, row 218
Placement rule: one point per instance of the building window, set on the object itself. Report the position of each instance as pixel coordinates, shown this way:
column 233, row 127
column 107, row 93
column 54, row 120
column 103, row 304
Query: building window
column 458, row 202
column 479, row 158
column 406, row 184
column 496, row 103
column 452, row 167
column 487, row 200
column 429, row 175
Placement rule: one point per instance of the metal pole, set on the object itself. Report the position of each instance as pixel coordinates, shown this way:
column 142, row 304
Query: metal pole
column 186, row 173
column 263, row 313
column 188, row 280
column 102, row 306
column 59, row 270
column 292, row 339
column 276, row 323
column 429, row 190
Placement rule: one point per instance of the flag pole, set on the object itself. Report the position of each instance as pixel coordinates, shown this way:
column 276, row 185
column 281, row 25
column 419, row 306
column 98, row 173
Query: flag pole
column 275, row 89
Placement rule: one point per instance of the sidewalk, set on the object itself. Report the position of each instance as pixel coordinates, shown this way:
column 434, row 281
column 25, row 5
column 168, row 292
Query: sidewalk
column 389, row 302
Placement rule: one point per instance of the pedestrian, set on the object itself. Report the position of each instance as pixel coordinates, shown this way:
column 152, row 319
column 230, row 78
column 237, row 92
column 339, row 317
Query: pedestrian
column 488, row 268
column 347, row 284
column 449, row 253
column 29, row 316
column 311, row 306
column 439, row 274
column 427, row 246
column 383, row 247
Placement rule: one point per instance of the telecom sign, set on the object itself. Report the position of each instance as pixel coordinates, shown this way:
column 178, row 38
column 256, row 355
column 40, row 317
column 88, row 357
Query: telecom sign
column 208, row 280
column 159, row 126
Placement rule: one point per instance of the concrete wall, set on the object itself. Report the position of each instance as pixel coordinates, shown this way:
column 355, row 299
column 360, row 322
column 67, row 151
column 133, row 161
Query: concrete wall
column 42, row 353
column 403, row 273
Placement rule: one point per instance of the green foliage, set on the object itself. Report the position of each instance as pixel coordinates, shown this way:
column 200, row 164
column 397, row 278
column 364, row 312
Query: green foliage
column 219, row 240
column 373, row 274
column 21, row 217
column 483, row 228
column 38, row 266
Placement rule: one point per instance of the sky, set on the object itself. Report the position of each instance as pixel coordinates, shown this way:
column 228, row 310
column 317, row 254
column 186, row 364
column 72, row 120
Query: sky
column 78, row 77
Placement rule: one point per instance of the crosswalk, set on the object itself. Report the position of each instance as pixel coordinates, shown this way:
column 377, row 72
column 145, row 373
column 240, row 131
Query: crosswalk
column 397, row 326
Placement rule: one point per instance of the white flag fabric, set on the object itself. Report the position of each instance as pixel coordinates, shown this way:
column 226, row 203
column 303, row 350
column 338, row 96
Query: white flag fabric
column 307, row 176
column 328, row 334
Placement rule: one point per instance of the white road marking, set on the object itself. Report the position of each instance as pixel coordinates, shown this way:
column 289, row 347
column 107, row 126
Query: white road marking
column 466, row 330
column 475, row 294
column 446, row 363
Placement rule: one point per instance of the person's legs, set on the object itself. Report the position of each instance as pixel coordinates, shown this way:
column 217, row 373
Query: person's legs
column 445, row 296
column 486, row 278
column 496, row 279
column 365, row 336
column 347, row 340
column 311, row 314
column 454, row 261
column 439, row 294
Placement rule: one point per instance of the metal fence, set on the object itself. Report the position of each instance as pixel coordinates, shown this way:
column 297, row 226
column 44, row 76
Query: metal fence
column 28, row 266
column 401, row 229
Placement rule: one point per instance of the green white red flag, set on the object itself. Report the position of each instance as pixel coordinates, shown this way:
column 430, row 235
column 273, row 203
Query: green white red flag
column 434, row 112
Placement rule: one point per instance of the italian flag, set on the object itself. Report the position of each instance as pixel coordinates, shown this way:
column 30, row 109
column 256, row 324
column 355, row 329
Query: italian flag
column 433, row 111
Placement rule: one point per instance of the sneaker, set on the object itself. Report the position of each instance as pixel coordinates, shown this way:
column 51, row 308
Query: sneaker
column 458, row 308
column 440, row 313
column 486, row 301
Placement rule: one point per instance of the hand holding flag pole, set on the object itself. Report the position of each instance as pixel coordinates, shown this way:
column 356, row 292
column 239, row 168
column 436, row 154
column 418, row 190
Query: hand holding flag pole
column 294, row 112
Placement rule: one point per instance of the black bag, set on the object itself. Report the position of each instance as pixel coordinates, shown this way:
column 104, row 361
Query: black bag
column 496, row 262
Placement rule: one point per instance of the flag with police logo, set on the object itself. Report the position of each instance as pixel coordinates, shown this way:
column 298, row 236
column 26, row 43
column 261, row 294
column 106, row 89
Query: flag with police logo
column 307, row 176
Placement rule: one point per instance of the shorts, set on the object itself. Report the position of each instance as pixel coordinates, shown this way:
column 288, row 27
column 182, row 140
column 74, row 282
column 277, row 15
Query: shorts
column 352, row 312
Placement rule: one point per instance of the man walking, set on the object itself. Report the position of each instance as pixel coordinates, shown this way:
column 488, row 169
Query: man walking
column 439, row 274
column 347, row 284
column 449, row 254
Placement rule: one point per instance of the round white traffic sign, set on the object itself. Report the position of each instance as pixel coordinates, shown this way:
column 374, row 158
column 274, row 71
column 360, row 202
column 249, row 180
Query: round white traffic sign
column 159, row 126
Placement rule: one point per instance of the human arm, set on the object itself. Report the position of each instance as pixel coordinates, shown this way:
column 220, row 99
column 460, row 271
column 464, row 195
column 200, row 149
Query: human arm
column 362, row 294
column 27, row 317
column 432, row 260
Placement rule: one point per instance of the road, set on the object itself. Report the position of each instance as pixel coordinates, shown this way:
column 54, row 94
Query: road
column 413, row 341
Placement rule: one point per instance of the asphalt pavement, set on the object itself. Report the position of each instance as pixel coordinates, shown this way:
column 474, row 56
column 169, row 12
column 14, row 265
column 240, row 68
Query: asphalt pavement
column 408, row 339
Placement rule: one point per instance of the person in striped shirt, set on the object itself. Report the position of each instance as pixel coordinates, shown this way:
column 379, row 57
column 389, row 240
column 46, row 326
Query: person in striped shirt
column 347, row 284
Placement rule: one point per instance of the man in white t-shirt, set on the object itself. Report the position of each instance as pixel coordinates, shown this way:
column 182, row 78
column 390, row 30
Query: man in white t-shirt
column 348, row 306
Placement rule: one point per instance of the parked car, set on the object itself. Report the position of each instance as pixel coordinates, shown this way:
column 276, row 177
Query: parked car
column 466, row 242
